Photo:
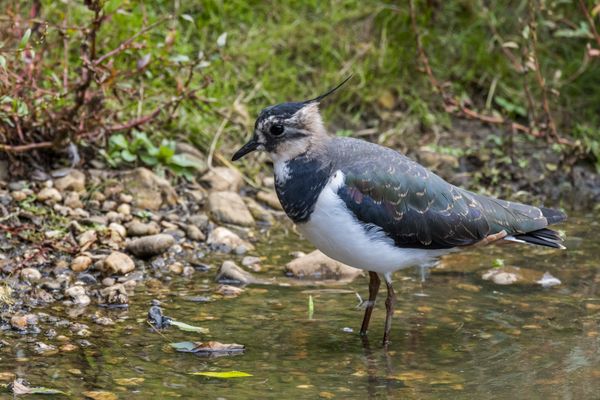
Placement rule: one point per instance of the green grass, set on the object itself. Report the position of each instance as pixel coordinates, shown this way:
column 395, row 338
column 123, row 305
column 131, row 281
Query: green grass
column 279, row 51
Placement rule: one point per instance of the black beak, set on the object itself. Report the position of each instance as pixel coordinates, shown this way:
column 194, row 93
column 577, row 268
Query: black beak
column 247, row 148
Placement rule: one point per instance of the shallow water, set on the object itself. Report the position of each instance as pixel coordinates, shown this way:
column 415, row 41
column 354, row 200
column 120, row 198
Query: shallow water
column 454, row 335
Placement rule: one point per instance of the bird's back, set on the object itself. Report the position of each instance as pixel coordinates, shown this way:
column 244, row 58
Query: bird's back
column 417, row 208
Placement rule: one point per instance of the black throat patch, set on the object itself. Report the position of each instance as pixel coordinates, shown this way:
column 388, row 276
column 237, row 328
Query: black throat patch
column 299, row 189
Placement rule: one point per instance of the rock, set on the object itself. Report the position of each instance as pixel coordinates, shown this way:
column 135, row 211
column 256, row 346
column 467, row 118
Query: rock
column 222, row 179
column 149, row 246
column 270, row 199
column 199, row 220
column 194, row 233
column 231, row 273
column 252, row 263
column 31, row 275
column 188, row 271
column 149, row 191
column 74, row 180
column 193, row 154
column 22, row 322
column 176, row 268
column 137, row 228
column 109, row 205
column 317, row 265
column 229, row 208
column 228, row 291
column 80, row 263
column 519, row 276
column 124, row 209
column 115, row 294
column 118, row 263
column 18, row 195
column 223, row 240
column 78, row 295
column 258, row 211
column 87, row 238
column 72, row 200
column 118, row 229
column 125, row 198
column 49, row 195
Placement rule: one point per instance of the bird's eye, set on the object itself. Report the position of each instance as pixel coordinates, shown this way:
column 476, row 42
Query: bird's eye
column 276, row 130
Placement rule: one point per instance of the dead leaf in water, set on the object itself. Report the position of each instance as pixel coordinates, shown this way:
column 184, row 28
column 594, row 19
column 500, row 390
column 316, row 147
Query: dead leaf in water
column 188, row 328
column 129, row 381
column 210, row 348
column 100, row 395
column 222, row 375
column 18, row 387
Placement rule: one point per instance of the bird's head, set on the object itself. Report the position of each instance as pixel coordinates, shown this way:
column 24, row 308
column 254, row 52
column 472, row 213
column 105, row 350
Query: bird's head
column 287, row 129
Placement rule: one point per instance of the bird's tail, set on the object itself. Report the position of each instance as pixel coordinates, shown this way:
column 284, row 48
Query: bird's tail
column 541, row 237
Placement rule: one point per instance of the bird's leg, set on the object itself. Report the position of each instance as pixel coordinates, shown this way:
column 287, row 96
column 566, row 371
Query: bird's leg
column 374, row 283
column 389, row 309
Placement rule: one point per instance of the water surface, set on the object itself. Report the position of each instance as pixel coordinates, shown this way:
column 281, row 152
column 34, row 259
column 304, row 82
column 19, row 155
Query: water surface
column 454, row 335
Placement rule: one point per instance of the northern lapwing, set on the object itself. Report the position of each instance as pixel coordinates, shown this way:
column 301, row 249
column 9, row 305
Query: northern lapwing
column 373, row 208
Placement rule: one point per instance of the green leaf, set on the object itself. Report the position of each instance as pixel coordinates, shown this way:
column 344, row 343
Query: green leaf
column 311, row 307
column 118, row 141
column 165, row 153
column 127, row 156
column 3, row 62
column 188, row 328
column 182, row 160
column 222, row 375
column 148, row 159
column 25, row 38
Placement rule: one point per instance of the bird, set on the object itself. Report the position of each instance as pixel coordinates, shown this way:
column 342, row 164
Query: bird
column 375, row 209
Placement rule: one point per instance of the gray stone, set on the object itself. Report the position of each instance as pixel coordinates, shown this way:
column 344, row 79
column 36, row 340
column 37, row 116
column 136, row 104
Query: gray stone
column 223, row 179
column 231, row 273
column 137, row 228
column 148, row 190
column 519, row 276
column 115, row 294
column 72, row 200
column 224, row 240
column 229, row 208
column 49, row 195
column 149, row 246
column 194, row 233
column 31, row 275
column 74, row 180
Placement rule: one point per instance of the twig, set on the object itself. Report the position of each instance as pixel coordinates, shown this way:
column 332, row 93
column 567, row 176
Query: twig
column 590, row 21
column 25, row 147
column 124, row 45
column 213, row 143
column 538, row 73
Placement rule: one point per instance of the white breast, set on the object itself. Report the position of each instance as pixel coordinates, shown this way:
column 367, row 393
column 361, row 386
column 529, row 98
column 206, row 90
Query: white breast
column 334, row 230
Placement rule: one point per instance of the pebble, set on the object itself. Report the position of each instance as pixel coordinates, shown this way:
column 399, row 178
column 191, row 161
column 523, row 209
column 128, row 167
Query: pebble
column 72, row 200
column 118, row 263
column 31, row 275
column 223, row 240
column 137, row 228
column 124, row 209
column 87, row 238
column 176, row 268
column 74, row 180
column 49, row 195
column 18, row 195
column 229, row 208
column 194, row 233
column 231, row 273
column 149, row 246
column 80, row 263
